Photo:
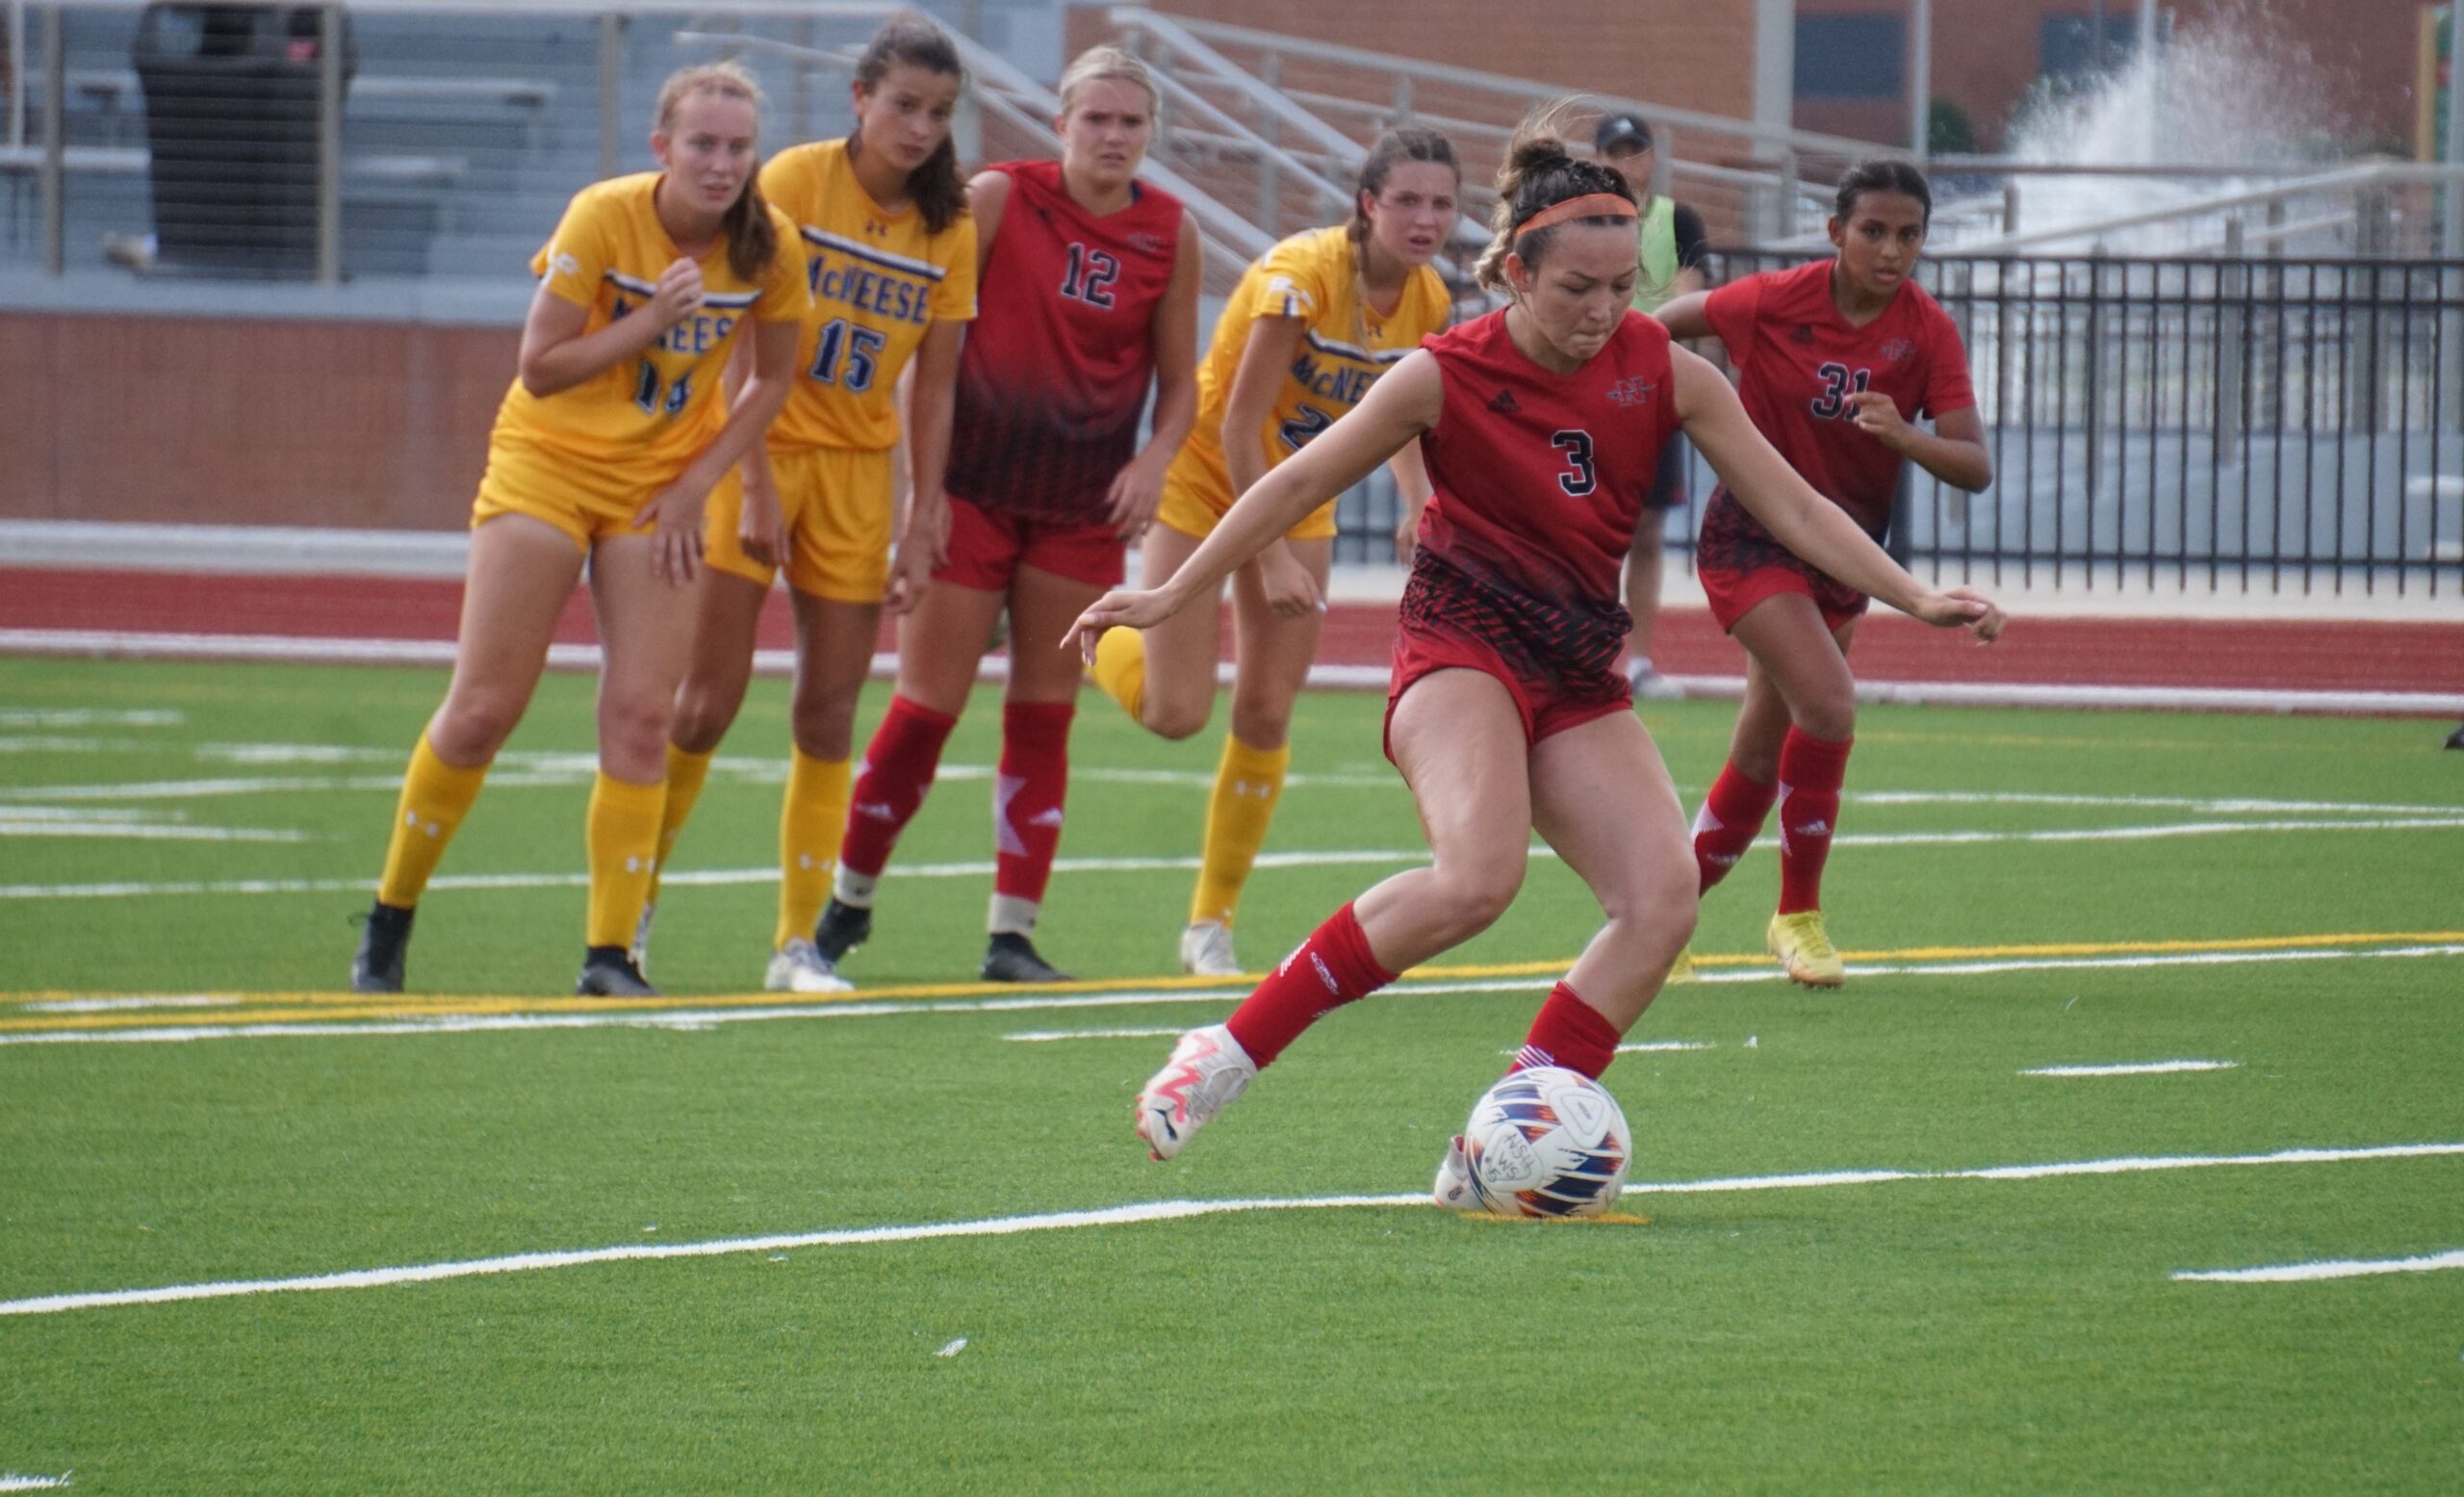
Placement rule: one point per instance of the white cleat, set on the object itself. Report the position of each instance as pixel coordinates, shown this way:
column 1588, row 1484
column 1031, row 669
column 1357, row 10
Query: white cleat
column 1208, row 1070
column 640, row 950
column 801, row 967
column 1206, row 950
column 1453, row 1189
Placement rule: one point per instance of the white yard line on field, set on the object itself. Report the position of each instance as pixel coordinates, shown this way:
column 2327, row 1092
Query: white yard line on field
column 2335, row 1268
column 11, row 1482
column 1137, row 1213
column 89, row 717
column 133, row 889
column 2151, row 1068
column 700, row 1018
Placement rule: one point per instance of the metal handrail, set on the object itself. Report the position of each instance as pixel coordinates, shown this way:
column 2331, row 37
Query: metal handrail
column 1804, row 140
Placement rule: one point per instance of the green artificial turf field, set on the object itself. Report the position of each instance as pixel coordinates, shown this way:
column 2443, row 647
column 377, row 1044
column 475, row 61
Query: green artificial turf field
column 1788, row 1303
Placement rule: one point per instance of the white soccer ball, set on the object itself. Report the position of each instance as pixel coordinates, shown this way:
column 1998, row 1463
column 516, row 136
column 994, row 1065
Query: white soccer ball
column 1546, row 1142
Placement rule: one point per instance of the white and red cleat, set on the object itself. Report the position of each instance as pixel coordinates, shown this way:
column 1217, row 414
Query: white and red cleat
column 1208, row 1070
column 1453, row 1189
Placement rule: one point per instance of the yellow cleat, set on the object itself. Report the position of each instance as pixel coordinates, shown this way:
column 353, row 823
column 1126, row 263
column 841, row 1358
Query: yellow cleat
column 1805, row 949
column 1681, row 969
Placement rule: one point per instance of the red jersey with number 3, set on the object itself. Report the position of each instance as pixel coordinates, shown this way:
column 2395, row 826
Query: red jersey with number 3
column 1056, row 369
column 1798, row 364
column 1539, row 479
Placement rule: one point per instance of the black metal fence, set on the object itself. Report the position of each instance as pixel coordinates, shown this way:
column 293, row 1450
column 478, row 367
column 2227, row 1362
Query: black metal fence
column 2242, row 425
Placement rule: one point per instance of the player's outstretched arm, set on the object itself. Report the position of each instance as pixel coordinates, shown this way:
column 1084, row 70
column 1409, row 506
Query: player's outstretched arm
column 1802, row 520
column 1398, row 408
column 1687, row 317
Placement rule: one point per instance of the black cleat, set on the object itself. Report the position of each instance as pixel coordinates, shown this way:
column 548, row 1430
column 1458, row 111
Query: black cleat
column 1010, row 956
column 841, row 929
column 609, row 973
column 2456, row 739
column 384, row 935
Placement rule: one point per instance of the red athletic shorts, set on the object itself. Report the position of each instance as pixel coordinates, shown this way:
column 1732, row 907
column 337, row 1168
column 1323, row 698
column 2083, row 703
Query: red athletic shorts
column 989, row 546
column 1731, row 595
column 1546, row 708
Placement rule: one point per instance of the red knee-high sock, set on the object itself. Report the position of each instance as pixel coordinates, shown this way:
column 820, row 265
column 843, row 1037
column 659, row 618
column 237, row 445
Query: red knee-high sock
column 898, row 769
column 1728, row 823
column 1026, row 795
column 1567, row 1032
column 1329, row 969
column 1812, row 771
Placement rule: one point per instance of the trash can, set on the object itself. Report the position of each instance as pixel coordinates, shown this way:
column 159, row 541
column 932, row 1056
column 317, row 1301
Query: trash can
column 231, row 130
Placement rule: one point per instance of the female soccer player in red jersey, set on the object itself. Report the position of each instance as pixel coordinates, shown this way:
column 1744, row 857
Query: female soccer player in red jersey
column 1313, row 323
column 1541, row 426
column 883, row 217
column 1088, row 296
column 607, row 444
column 1835, row 360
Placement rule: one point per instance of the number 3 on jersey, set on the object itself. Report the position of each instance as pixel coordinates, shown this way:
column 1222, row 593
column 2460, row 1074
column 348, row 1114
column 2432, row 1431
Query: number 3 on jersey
column 1090, row 276
column 1581, row 476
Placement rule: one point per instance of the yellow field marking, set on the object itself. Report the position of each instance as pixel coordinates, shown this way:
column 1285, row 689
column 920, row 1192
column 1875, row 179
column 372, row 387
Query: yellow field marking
column 326, row 1007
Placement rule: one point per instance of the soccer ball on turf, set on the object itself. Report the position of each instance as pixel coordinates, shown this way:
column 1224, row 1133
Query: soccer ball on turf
column 1546, row 1142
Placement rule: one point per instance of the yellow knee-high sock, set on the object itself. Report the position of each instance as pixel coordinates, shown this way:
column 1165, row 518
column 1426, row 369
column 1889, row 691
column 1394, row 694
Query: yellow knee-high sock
column 813, row 821
column 435, row 797
column 1246, row 785
column 686, row 772
column 622, row 841
column 1120, row 669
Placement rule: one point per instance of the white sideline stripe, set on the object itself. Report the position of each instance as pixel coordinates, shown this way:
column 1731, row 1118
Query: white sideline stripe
column 13, row 1482
column 2335, row 1268
column 1048, row 1036
column 119, row 1005
column 703, row 1019
column 1139, row 1212
column 1303, row 858
column 142, row 646
column 2153, row 1068
column 1650, row 1047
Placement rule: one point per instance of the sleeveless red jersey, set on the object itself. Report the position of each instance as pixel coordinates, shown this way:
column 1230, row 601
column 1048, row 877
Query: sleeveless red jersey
column 1056, row 369
column 1539, row 479
column 1797, row 361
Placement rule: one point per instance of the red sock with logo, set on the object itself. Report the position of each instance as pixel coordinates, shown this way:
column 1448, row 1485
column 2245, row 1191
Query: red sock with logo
column 1027, row 795
column 1329, row 969
column 898, row 769
column 1812, row 771
column 1730, row 820
column 1570, row 1033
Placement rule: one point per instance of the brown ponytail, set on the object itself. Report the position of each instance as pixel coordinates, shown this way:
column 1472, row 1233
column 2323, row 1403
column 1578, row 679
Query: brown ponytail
column 936, row 188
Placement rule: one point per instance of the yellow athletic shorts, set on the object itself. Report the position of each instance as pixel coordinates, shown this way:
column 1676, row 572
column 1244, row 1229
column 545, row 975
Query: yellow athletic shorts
column 588, row 501
column 1195, row 508
column 837, row 504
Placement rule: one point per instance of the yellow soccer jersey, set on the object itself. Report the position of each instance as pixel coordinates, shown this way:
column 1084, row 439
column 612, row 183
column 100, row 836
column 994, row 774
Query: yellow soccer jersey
column 878, row 279
column 1343, row 349
column 661, row 409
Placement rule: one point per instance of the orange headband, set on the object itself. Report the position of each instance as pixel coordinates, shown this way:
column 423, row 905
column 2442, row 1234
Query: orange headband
column 1592, row 205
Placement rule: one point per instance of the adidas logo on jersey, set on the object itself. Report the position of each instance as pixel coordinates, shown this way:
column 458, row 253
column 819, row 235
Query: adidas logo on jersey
column 1505, row 403
column 1803, row 335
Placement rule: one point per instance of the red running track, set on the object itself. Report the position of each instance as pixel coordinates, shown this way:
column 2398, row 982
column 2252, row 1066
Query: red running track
column 2258, row 655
